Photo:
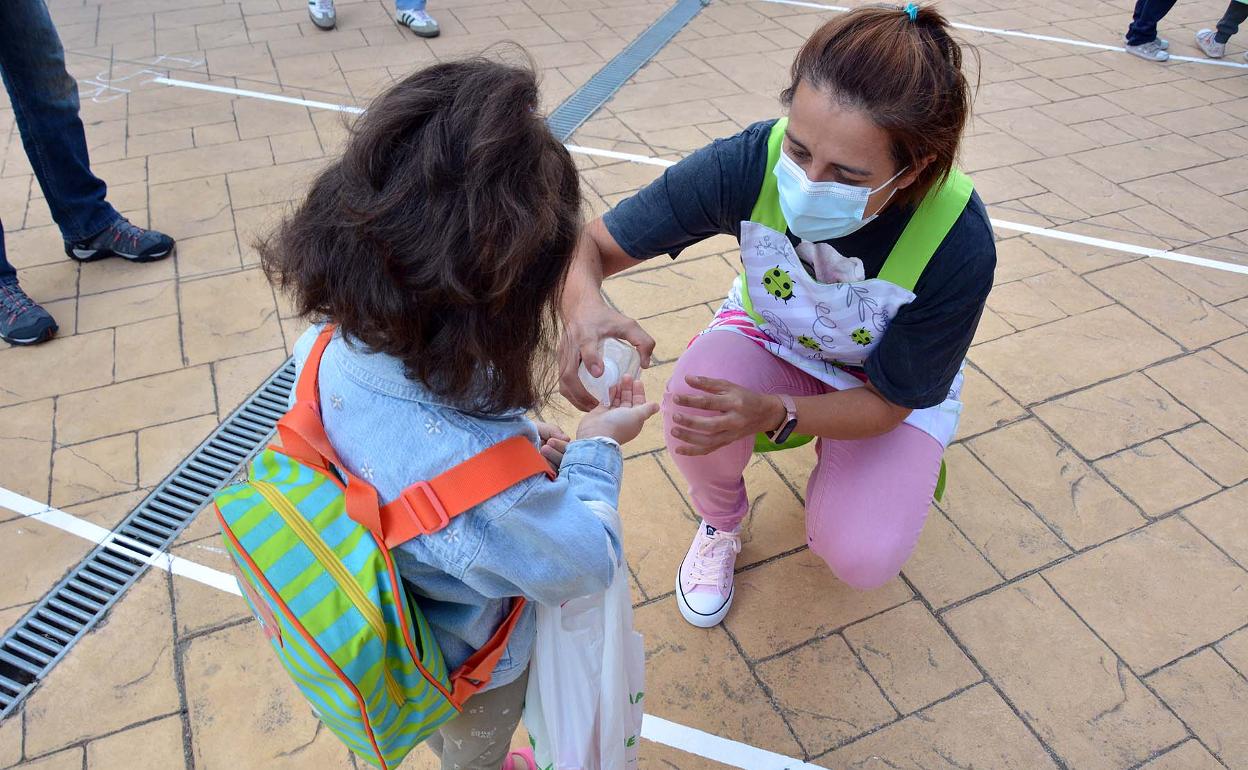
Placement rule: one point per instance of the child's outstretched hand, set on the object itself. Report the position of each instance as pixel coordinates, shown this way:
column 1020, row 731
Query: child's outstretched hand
column 622, row 420
column 554, row 443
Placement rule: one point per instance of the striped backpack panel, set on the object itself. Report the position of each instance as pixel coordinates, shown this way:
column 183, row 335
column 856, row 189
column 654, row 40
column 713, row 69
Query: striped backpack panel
column 314, row 565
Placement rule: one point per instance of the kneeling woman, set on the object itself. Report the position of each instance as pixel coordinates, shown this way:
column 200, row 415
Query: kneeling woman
column 866, row 258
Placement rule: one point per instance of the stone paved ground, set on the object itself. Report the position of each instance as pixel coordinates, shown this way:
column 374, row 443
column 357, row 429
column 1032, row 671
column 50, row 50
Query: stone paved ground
column 1080, row 597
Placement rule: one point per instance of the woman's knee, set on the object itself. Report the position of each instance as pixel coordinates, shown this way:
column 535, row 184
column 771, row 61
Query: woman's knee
column 862, row 563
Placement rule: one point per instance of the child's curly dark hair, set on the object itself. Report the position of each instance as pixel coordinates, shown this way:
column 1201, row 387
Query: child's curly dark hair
column 443, row 235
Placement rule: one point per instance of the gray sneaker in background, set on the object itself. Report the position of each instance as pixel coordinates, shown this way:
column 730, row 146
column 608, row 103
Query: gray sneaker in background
column 322, row 13
column 419, row 22
column 22, row 321
column 1212, row 48
column 1152, row 51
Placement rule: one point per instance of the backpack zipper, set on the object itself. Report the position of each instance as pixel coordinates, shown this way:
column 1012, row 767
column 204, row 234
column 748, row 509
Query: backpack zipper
column 336, row 569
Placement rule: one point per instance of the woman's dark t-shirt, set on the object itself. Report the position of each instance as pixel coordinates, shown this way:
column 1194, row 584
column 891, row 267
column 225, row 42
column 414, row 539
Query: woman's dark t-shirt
column 713, row 190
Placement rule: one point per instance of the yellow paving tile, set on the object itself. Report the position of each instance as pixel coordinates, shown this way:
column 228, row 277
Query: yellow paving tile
column 911, row 657
column 1190, row 755
column 155, row 744
column 94, row 469
column 148, row 347
column 1063, row 490
column 1212, row 699
column 696, row 677
column 1220, row 458
column 126, row 306
column 10, row 742
column 37, row 556
column 1156, row 477
column 945, row 567
column 841, row 703
column 134, row 404
column 1220, row 518
column 70, row 759
column 1086, row 705
column 131, row 674
column 802, row 589
column 1011, row 537
column 228, row 316
column 26, row 449
column 1156, row 594
column 162, row 447
column 1210, row 386
column 1114, row 415
column 244, row 710
column 974, row 729
column 1174, row 310
column 202, row 607
column 236, row 378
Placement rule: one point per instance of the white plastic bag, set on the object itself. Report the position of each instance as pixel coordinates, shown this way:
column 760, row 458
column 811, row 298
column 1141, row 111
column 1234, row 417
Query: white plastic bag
column 583, row 708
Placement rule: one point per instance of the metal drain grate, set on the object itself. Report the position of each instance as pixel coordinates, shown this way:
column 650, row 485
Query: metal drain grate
column 40, row 639
column 602, row 86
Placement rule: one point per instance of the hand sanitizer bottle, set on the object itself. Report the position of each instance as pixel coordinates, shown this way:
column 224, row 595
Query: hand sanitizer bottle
column 618, row 359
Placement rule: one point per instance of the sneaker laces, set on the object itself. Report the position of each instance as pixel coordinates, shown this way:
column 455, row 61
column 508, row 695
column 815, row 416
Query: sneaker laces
column 324, row 6
column 421, row 16
column 124, row 228
column 711, row 558
column 14, row 300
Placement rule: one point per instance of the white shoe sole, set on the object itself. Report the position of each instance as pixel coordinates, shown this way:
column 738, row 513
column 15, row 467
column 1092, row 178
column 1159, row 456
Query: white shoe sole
column 695, row 618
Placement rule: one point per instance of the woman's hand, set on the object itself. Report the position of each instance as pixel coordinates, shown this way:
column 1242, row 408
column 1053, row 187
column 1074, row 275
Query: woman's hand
column 625, row 416
column 585, row 327
column 554, row 443
column 736, row 413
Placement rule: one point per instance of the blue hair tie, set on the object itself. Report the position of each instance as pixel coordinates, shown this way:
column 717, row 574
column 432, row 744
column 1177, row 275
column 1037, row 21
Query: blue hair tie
column 912, row 10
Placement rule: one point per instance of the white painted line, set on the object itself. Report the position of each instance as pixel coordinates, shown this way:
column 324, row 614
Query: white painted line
column 713, row 747
column 1027, row 35
column 257, row 95
column 620, row 155
column 654, row 729
column 125, row 546
column 1129, row 248
column 1060, row 235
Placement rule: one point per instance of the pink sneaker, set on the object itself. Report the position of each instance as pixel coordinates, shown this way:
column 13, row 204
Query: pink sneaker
column 704, row 580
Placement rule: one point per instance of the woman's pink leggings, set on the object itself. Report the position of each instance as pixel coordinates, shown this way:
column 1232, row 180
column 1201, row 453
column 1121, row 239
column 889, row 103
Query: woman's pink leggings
column 866, row 499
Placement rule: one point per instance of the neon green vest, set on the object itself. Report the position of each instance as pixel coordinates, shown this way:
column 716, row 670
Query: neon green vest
column 922, row 236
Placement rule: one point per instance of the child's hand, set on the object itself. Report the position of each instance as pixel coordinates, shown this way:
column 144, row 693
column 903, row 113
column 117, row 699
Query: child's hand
column 622, row 420
column 554, row 443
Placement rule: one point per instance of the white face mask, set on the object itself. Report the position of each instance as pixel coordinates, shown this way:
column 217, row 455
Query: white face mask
column 821, row 211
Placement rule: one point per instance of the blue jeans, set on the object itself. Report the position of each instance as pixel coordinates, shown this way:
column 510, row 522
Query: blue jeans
column 1143, row 27
column 45, row 107
column 403, row 5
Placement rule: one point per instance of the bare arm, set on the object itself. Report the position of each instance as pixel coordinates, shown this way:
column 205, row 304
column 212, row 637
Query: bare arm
column 587, row 318
column 736, row 412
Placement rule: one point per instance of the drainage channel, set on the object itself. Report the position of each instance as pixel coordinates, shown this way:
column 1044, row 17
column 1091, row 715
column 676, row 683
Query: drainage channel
column 38, row 641
column 589, row 98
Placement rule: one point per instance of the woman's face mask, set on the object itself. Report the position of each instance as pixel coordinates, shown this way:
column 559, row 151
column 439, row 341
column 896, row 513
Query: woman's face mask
column 821, row 211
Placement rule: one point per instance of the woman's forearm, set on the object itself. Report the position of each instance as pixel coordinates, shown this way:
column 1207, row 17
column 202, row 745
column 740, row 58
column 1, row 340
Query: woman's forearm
column 848, row 414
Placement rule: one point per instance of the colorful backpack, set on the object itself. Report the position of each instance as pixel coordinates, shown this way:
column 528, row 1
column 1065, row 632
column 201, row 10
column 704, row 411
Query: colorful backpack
column 313, row 561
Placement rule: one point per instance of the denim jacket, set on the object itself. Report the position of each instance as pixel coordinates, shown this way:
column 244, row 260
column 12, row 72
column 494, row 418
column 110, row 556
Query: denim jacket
column 537, row 539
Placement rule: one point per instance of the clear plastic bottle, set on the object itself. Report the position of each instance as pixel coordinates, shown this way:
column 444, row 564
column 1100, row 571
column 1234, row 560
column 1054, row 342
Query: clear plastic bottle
column 618, row 359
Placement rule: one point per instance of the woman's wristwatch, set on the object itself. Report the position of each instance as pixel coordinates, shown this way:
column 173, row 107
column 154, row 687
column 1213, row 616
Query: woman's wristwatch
column 782, row 433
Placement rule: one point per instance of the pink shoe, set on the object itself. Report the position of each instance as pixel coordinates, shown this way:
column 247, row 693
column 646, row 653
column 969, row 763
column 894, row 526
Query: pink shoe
column 704, row 581
column 526, row 755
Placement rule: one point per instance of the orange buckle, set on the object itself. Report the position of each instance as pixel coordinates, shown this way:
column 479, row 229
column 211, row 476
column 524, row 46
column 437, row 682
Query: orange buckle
column 431, row 498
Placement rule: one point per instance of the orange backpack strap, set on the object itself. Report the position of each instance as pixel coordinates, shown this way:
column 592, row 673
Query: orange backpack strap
column 428, row 506
column 302, row 433
column 469, row 678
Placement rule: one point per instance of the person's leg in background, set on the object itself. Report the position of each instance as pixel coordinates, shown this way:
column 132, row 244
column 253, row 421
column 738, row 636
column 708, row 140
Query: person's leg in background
column 867, row 500
column 45, row 108
column 716, row 482
column 480, row 737
column 1213, row 42
column 22, row 321
column 1142, row 40
column 412, row 14
column 323, row 14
